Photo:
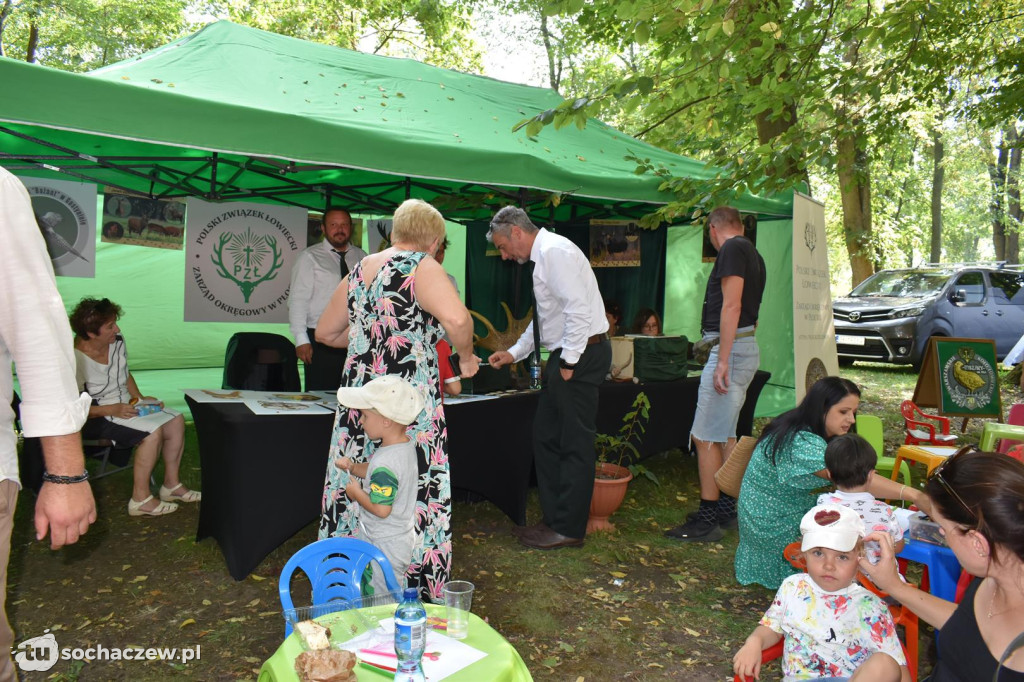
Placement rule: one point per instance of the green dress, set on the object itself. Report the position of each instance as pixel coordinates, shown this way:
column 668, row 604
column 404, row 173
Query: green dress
column 773, row 499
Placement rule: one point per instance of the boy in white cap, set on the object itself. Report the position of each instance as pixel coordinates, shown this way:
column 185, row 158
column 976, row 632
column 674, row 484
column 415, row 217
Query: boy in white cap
column 387, row 405
column 834, row 628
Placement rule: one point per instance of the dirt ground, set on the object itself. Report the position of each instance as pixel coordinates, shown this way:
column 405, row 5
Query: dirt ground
column 145, row 582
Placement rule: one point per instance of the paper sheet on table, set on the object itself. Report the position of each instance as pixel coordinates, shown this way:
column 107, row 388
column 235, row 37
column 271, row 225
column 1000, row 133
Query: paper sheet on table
column 284, row 406
column 444, row 656
column 328, row 399
column 467, row 398
column 223, row 395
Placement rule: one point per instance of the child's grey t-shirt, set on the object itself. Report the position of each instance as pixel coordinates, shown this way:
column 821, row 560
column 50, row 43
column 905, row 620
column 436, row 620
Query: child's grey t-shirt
column 391, row 479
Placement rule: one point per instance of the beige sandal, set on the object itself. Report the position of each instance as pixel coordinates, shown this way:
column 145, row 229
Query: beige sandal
column 135, row 508
column 191, row 496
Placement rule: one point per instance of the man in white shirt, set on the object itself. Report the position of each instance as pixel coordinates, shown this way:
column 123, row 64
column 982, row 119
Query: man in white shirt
column 36, row 336
column 573, row 326
column 316, row 274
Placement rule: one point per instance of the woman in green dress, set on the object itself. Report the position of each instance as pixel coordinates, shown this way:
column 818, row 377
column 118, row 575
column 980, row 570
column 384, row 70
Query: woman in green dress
column 785, row 474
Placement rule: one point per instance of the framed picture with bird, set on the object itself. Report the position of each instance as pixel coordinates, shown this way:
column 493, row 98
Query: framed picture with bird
column 958, row 376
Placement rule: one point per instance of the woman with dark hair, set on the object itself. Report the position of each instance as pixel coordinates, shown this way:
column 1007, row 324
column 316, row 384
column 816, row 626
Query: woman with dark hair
column 613, row 312
column 647, row 323
column 103, row 373
column 977, row 498
column 785, row 473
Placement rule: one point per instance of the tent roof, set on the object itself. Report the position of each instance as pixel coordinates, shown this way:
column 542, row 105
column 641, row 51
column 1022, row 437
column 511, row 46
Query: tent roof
column 232, row 112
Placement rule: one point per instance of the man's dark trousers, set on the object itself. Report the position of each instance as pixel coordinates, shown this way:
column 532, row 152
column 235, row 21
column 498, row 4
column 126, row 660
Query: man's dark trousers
column 324, row 373
column 563, row 439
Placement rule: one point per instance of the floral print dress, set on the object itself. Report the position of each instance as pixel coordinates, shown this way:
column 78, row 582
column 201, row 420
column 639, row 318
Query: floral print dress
column 389, row 333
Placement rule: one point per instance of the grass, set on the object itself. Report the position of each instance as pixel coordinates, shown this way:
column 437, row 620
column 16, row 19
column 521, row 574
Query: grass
column 630, row 605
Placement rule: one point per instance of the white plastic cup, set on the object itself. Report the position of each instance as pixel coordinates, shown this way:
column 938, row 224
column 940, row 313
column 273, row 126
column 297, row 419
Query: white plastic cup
column 458, row 599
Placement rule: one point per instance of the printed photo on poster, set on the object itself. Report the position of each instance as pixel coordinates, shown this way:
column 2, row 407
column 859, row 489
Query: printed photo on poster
column 614, row 244
column 378, row 234
column 708, row 252
column 66, row 215
column 315, row 233
column 141, row 221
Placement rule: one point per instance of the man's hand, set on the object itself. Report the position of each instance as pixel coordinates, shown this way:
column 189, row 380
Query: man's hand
column 566, row 373
column 722, row 375
column 499, row 359
column 66, row 511
column 305, row 353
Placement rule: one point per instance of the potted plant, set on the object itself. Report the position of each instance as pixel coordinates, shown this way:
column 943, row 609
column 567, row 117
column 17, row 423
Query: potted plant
column 617, row 457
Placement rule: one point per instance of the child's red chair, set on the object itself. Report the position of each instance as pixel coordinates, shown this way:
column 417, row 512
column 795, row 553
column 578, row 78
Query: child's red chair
column 900, row 615
column 1016, row 417
column 1017, row 452
column 920, row 431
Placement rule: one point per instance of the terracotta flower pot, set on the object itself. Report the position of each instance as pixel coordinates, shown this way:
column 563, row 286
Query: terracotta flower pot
column 610, row 484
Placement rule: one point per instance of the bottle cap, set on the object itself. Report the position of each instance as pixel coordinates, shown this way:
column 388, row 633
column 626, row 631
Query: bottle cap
column 410, row 593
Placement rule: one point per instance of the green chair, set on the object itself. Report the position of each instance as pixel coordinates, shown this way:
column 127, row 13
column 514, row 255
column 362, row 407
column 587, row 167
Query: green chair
column 869, row 428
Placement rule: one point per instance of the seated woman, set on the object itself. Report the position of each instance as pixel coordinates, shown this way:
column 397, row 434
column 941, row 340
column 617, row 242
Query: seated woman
column 785, row 474
column 103, row 374
column 977, row 498
column 647, row 323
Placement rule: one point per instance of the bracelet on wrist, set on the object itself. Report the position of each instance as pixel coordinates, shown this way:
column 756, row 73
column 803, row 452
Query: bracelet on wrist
column 65, row 480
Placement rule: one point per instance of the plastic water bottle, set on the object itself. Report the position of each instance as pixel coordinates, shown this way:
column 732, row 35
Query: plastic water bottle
column 534, row 372
column 410, row 637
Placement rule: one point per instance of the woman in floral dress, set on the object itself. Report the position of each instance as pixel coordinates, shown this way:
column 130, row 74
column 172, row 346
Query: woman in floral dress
column 390, row 312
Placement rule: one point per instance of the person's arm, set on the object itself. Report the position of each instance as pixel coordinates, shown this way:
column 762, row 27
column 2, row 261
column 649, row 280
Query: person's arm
column 300, row 293
column 885, row 574
column 437, row 296
column 452, row 386
column 747, row 661
column 887, row 489
column 34, row 328
column 732, row 303
column 332, row 329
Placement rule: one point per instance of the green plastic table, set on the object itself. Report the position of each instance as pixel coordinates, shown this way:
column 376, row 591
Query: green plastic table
column 502, row 663
column 995, row 430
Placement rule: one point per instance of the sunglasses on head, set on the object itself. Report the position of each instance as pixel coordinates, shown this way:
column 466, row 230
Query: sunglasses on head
column 937, row 475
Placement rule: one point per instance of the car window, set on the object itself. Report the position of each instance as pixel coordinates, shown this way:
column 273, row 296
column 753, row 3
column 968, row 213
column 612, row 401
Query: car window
column 902, row 283
column 973, row 285
column 1007, row 287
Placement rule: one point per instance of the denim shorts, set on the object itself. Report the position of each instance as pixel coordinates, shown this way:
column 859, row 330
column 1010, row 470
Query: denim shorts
column 717, row 414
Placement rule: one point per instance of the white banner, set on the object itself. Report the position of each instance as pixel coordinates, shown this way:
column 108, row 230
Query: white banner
column 814, row 336
column 238, row 258
column 66, row 214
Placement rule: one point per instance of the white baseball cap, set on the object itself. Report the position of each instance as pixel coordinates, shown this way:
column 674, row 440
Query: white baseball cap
column 832, row 526
column 392, row 396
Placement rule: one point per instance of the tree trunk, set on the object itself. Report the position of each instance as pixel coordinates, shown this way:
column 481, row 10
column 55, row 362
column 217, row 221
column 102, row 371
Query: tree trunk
column 938, row 176
column 1013, row 208
column 33, row 43
column 855, row 190
column 554, row 66
column 5, row 11
column 997, row 176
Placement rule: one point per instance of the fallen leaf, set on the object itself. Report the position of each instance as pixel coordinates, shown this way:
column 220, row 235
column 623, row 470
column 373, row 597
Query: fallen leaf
column 139, row 579
column 207, row 602
column 692, row 633
column 253, row 603
column 187, row 621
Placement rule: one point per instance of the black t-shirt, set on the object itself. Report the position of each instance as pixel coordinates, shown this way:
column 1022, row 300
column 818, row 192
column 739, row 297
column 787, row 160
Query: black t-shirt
column 736, row 258
column 963, row 654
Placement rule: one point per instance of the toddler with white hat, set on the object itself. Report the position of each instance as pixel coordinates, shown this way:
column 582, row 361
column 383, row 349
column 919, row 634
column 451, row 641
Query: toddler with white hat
column 834, row 628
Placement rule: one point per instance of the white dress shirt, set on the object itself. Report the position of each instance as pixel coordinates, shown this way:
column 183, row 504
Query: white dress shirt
column 568, row 302
column 34, row 333
column 315, row 276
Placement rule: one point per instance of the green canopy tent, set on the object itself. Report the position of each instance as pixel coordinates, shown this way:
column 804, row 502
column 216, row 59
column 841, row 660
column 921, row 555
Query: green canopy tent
column 233, row 113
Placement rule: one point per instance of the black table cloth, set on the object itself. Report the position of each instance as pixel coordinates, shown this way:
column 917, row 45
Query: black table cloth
column 263, row 476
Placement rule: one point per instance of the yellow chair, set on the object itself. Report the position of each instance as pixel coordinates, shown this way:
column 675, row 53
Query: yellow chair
column 869, row 427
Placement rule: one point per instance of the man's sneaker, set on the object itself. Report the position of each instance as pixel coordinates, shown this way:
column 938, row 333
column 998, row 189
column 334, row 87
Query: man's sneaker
column 697, row 530
column 724, row 522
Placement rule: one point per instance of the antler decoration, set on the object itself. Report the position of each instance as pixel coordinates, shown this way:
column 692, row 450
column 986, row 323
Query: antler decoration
column 495, row 340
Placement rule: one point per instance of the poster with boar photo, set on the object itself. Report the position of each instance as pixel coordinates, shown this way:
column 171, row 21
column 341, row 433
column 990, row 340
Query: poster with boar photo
column 141, row 221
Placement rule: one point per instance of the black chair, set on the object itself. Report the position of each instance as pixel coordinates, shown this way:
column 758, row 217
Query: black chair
column 260, row 362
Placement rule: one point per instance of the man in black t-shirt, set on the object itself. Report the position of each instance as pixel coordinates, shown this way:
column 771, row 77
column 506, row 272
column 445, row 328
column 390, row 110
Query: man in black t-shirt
column 731, row 304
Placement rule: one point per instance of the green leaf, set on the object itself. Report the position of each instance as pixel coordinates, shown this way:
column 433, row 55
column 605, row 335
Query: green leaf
column 728, row 26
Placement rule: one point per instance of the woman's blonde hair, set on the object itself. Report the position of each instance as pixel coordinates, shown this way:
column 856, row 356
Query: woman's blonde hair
column 417, row 223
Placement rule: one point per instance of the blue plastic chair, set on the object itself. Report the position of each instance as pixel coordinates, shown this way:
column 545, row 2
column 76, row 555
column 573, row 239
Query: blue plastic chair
column 335, row 569
column 869, row 427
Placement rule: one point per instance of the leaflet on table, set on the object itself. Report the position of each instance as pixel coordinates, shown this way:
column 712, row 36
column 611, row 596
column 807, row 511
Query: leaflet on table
column 228, row 395
column 467, row 398
column 444, row 656
column 149, row 422
column 273, row 405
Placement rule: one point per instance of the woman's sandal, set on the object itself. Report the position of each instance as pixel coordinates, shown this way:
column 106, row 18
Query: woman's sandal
column 191, row 496
column 135, row 508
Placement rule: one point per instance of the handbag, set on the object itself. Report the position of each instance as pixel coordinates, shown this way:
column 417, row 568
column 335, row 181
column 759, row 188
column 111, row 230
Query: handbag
column 730, row 476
